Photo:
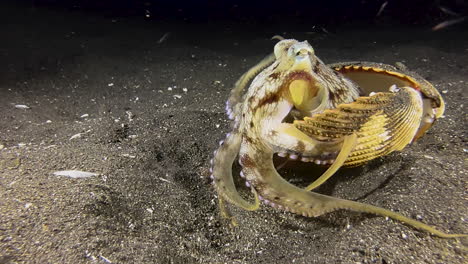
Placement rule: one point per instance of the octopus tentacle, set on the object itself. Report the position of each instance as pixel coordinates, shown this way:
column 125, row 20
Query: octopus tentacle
column 348, row 144
column 222, row 173
column 259, row 169
column 236, row 92
column 341, row 114
column 287, row 137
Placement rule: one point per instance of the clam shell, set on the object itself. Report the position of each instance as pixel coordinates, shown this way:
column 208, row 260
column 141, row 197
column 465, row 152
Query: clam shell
column 378, row 77
column 383, row 122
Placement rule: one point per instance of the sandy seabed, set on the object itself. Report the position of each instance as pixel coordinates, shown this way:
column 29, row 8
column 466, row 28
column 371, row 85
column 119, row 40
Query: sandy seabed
column 109, row 96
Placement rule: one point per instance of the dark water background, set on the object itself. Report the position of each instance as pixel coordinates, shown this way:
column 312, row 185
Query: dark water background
column 144, row 85
column 315, row 12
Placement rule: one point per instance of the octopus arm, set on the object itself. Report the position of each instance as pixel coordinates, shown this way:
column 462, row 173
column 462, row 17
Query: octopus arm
column 222, row 173
column 259, row 170
column 349, row 143
column 244, row 80
column 289, row 137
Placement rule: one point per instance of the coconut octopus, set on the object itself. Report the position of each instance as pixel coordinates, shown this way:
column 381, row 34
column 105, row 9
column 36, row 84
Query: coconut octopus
column 335, row 115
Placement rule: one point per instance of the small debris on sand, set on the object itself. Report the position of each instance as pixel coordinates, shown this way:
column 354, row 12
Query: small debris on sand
column 75, row 174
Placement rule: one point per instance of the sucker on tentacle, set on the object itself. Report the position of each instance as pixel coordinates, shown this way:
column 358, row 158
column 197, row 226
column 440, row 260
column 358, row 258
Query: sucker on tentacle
column 344, row 114
column 277, row 192
column 222, row 173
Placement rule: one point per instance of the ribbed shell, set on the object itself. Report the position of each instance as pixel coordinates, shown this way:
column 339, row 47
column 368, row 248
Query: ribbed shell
column 384, row 122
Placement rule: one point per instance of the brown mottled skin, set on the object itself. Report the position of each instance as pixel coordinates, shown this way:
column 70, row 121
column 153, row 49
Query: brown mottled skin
column 299, row 107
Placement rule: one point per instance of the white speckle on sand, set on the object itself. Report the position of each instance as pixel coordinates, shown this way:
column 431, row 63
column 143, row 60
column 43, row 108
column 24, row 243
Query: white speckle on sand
column 164, row 37
column 75, row 136
column 106, row 260
column 75, row 174
column 130, row 115
column 21, row 106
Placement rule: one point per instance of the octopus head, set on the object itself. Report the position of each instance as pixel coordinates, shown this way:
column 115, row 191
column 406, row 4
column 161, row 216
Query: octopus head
column 301, row 85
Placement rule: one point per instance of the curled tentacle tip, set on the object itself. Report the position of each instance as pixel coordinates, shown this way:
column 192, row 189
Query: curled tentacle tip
column 277, row 37
column 247, row 183
column 212, row 177
column 221, row 142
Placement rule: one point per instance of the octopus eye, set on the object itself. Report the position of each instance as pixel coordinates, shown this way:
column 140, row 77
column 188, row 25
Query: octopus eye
column 303, row 52
column 282, row 47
